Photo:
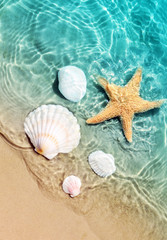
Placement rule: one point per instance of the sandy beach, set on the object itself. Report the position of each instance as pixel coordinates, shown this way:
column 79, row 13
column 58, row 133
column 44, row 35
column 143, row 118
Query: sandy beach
column 26, row 213
column 108, row 39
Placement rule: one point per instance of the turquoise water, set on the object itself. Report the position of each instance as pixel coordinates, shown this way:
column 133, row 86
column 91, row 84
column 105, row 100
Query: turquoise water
column 107, row 38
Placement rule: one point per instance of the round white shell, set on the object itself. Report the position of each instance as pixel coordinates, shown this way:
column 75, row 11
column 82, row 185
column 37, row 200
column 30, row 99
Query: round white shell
column 72, row 83
column 52, row 129
column 72, row 185
column 102, row 163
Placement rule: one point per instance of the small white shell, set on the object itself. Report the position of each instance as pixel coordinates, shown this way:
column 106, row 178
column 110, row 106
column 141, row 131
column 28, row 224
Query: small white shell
column 72, row 185
column 102, row 163
column 52, row 129
column 72, row 83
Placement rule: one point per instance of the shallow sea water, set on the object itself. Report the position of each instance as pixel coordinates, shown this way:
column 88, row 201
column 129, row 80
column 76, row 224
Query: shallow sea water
column 107, row 38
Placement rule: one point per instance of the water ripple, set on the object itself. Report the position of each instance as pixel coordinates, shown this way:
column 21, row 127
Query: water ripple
column 104, row 38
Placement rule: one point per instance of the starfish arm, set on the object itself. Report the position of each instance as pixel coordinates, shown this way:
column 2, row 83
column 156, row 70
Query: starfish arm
column 134, row 84
column 105, row 85
column 144, row 105
column 111, row 111
column 110, row 89
column 103, row 82
column 127, row 126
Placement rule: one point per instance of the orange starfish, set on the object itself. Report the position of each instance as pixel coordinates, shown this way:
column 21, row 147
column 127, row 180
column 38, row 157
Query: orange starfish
column 124, row 103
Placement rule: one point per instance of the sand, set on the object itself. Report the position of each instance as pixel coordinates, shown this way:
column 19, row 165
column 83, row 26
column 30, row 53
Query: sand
column 26, row 213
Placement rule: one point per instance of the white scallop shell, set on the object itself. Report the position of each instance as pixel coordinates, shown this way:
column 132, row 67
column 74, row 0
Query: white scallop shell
column 72, row 185
column 52, row 129
column 72, row 83
column 102, row 163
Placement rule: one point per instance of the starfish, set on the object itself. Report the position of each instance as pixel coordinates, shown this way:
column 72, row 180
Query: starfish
column 124, row 102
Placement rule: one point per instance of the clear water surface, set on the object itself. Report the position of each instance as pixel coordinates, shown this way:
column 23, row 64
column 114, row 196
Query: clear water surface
column 110, row 38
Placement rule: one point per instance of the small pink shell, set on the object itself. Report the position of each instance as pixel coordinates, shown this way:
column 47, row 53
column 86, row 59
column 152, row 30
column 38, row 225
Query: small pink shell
column 72, row 185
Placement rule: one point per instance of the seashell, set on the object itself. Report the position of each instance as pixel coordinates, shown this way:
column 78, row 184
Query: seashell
column 72, row 185
column 102, row 163
column 52, row 129
column 72, row 83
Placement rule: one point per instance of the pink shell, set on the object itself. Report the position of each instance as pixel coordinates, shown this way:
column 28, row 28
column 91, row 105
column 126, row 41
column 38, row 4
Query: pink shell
column 72, row 185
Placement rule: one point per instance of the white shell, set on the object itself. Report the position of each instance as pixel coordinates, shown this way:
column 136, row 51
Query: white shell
column 102, row 163
column 52, row 129
column 72, row 185
column 72, row 83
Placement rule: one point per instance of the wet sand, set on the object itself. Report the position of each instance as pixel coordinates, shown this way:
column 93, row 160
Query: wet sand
column 26, row 213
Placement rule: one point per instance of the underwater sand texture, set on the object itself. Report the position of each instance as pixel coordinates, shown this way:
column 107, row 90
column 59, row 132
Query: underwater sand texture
column 102, row 38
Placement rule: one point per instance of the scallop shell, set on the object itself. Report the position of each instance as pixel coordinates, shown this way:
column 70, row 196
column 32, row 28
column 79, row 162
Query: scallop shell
column 52, row 129
column 102, row 163
column 72, row 185
column 72, row 83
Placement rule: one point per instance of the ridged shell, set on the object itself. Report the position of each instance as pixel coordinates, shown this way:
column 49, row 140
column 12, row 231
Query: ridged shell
column 52, row 129
column 72, row 83
column 102, row 163
column 72, row 185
